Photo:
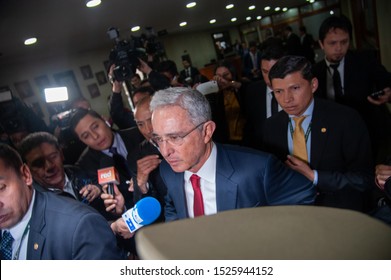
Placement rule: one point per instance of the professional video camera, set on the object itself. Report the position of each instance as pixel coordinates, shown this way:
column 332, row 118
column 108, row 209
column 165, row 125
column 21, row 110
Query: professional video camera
column 125, row 55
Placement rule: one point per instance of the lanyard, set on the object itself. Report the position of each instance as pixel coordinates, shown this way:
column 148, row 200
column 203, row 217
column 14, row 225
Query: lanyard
column 307, row 133
column 26, row 230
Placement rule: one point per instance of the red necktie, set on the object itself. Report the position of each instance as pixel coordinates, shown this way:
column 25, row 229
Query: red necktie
column 198, row 202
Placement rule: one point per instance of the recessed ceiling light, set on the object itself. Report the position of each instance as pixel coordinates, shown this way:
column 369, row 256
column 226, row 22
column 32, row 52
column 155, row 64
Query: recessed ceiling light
column 183, row 23
column 252, row 7
column 191, row 5
column 30, row 41
column 267, row 8
column 284, row 9
column 331, row 12
column 135, row 28
column 229, row 6
column 212, row 21
column 277, row 9
column 259, row 17
column 234, row 19
column 93, row 3
column 312, row 1
column 248, row 18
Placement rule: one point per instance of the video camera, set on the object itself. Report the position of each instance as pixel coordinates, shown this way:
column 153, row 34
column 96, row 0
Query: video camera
column 125, row 55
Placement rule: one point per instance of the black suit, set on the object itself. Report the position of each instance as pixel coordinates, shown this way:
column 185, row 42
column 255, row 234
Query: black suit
column 362, row 76
column 307, row 47
column 92, row 160
column 293, row 45
column 255, row 108
column 340, row 152
column 193, row 73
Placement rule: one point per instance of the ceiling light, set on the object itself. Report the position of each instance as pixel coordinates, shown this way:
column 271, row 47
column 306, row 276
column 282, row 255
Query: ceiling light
column 312, row 1
column 191, row 5
column 284, row 9
column 277, row 9
column 259, row 17
column 234, row 19
column 30, row 41
column 252, row 7
column 93, row 3
column 248, row 18
column 331, row 12
column 135, row 28
column 229, row 6
column 267, row 8
column 183, row 23
column 212, row 21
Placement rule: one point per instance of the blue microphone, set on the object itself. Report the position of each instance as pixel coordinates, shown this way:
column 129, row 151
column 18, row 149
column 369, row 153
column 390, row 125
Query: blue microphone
column 144, row 212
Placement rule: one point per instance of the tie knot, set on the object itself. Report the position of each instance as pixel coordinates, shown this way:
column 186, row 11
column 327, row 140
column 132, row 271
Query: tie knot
column 298, row 120
column 113, row 150
column 334, row 66
column 195, row 180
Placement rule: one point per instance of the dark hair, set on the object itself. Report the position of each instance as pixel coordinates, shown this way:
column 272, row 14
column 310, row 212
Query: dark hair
column 35, row 139
column 288, row 28
column 290, row 64
column 303, row 29
column 148, row 90
column 80, row 113
column 10, row 158
column 167, row 66
column 231, row 68
column 273, row 52
column 332, row 23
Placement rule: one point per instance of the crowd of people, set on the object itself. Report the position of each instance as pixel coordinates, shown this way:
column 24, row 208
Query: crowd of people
column 280, row 130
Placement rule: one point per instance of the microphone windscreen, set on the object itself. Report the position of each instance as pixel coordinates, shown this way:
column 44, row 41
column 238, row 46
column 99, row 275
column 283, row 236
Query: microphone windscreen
column 148, row 209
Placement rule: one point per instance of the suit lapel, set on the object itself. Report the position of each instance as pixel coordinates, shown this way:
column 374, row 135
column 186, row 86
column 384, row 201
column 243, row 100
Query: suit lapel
column 226, row 190
column 36, row 240
column 178, row 196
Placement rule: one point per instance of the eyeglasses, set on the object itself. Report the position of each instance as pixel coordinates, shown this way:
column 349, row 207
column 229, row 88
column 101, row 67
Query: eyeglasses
column 174, row 139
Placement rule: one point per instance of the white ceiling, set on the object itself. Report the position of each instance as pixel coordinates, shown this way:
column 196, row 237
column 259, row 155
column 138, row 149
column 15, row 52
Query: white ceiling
column 68, row 26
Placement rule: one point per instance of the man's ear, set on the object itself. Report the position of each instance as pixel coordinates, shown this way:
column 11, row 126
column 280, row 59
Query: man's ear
column 26, row 174
column 314, row 84
column 209, row 128
column 321, row 44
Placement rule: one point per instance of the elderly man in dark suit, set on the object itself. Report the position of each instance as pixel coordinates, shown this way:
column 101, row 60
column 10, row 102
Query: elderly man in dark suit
column 327, row 142
column 44, row 226
column 203, row 177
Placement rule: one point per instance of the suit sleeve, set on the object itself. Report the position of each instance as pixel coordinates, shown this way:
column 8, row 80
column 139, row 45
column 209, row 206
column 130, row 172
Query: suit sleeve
column 358, row 173
column 285, row 186
column 94, row 240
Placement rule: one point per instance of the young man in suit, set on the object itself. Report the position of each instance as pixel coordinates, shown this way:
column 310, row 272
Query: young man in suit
column 335, row 151
column 260, row 103
column 44, row 226
column 203, row 177
column 349, row 77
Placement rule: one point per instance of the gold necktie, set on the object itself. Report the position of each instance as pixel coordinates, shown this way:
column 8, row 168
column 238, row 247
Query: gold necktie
column 299, row 145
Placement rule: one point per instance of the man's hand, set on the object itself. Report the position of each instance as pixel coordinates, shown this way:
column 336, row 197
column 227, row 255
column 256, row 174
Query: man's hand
column 145, row 166
column 90, row 192
column 119, row 228
column 144, row 67
column 300, row 166
column 113, row 204
column 382, row 172
column 386, row 97
column 116, row 86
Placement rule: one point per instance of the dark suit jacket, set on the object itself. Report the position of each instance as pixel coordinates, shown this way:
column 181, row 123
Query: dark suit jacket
column 248, row 64
column 362, row 76
column 307, row 47
column 255, row 109
column 340, row 152
column 64, row 229
column 193, row 73
column 244, row 178
column 92, row 160
column 293, row 45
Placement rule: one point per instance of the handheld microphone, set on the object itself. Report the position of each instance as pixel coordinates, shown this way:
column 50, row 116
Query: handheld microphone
column 144, row 212
column 108, row 175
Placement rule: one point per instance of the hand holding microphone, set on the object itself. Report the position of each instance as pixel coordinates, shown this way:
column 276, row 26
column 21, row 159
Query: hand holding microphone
column 113, row 203
column 144, row 212
column 108, row 178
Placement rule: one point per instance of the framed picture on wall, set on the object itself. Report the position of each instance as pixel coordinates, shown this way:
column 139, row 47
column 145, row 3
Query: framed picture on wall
column 68, row 79
column 86, row 72
column 93, row 89
column 24, row 89
column 101, row 77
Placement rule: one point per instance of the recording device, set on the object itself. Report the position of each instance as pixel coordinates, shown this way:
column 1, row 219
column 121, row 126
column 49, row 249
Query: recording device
column 377, row 94
column 125, row 55
column 144, row 212
column 109, row 176
column 208, row 87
